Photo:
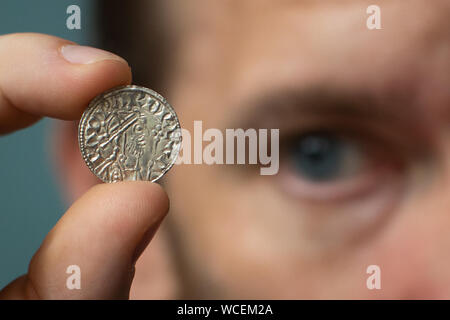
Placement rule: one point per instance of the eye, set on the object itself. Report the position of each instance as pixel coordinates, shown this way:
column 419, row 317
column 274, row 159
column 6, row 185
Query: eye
column 328, row 166
column 138, row 128
column 321, row 157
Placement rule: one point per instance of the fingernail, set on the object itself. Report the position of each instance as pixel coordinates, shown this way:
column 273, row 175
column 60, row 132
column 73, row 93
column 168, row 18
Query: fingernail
column 86, row 55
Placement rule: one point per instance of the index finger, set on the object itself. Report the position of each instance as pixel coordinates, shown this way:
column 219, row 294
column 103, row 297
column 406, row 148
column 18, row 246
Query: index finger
column 42, row 75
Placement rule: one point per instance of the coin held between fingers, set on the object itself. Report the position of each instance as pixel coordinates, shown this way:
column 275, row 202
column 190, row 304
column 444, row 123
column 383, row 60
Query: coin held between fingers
column 129, row 133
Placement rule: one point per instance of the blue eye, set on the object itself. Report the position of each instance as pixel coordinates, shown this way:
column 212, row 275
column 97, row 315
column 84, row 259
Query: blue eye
column 322, row 157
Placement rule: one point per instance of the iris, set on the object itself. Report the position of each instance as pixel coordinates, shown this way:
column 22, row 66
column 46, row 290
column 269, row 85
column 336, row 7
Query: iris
column 322, row 156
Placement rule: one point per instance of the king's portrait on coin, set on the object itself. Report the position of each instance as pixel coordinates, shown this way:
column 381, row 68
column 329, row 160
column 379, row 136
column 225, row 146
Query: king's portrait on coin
column 129, row 133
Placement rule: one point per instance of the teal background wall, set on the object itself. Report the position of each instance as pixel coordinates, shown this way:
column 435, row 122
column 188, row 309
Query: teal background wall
column 30, row 202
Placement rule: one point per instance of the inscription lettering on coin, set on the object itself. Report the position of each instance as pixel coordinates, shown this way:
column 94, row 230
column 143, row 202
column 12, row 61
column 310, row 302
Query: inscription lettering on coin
column 129, row 133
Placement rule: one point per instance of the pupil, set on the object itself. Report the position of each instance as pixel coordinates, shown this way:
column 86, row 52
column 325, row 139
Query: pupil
column 317, row 156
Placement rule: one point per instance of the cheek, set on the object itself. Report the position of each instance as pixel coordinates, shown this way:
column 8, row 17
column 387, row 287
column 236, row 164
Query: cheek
column 404, row 262
column 231, row 233
column 251, row 240
column 413, row 249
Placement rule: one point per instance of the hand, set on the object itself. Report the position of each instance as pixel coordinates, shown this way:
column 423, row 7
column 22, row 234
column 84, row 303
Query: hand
column 106, row 230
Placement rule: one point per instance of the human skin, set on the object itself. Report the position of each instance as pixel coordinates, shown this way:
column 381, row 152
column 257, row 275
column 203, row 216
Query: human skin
column 232, row 233
column 269, row 236
column 107, row 228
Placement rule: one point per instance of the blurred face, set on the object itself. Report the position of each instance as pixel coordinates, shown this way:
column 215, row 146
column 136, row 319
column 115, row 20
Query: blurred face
column 364, row 119
column 364, row 178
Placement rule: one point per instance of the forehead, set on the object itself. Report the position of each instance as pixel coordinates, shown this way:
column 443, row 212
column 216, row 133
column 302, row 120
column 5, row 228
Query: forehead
column 306, row 20
column 252, row 45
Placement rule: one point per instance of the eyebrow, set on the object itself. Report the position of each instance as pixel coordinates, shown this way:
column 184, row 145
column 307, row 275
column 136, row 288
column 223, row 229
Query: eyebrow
column 272, row 109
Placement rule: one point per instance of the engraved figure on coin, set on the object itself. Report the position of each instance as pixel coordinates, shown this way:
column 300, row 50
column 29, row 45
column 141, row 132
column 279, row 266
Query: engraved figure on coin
column 129, row 134
column 137, row 147
column 104, row 140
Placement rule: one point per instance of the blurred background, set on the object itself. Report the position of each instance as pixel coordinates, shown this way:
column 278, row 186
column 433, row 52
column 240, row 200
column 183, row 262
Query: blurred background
column 30, row 200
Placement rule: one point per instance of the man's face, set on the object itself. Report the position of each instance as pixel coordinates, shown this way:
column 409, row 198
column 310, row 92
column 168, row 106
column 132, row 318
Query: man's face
column 364, row 120
column 364, row 173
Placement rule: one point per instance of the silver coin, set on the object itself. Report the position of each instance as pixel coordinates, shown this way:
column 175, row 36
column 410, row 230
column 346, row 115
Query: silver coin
column 129, row 133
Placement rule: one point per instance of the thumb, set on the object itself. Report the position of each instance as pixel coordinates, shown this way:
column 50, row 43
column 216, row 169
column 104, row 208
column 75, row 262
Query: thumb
column 103, row 233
